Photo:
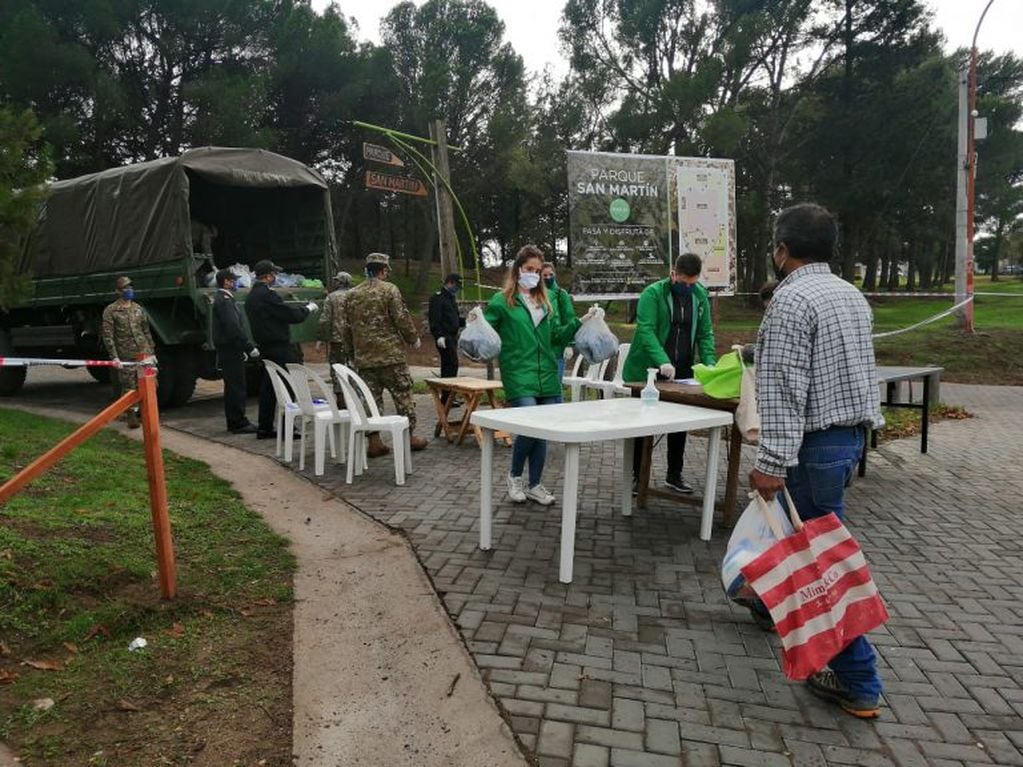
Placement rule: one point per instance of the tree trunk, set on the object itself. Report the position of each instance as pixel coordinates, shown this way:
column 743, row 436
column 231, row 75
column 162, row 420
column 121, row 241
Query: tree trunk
column 997, row 248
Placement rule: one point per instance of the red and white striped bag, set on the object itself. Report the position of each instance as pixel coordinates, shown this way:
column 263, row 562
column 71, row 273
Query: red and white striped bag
column 818, row 589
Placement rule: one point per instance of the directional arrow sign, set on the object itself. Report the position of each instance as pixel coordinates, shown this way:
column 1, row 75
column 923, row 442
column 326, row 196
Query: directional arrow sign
column 382, row 154
column 391, row 183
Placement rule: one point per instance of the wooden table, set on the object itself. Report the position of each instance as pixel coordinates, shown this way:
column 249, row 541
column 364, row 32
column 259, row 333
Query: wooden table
column 578, row 423
column 471, row 390
column 692, row 394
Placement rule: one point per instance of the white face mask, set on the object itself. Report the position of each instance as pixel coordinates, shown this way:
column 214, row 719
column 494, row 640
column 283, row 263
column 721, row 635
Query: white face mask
column 529, row 280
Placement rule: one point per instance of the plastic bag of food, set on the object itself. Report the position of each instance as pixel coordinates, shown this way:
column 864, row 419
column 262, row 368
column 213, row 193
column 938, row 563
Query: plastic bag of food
column 595, row 341
column 479, row 341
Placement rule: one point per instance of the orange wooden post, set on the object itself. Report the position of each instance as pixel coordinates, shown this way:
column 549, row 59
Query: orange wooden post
column 16, row 483
column 157, row 484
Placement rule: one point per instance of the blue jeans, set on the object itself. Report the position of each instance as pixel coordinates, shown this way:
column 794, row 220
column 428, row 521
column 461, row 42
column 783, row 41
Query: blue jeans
column 535, row 450
column 561, row 367
column 827, row 460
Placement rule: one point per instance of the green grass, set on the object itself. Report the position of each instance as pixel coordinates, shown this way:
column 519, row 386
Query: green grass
column 76, row 552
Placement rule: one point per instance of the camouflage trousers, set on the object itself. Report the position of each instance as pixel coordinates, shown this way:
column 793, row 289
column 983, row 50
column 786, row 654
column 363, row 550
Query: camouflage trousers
column 398, row 381
column 336, row 353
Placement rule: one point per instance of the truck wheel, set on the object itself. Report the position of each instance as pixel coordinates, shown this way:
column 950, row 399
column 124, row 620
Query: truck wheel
column 102, row 375
column 175, row 380
column 11, row 379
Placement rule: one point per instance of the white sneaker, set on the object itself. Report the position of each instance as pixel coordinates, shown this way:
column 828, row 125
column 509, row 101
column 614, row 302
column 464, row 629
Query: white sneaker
column 516, row 489
column 539, row 494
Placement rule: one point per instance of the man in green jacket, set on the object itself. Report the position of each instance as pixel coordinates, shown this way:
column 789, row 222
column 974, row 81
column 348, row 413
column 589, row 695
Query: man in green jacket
column 673, row 333
column 561, row 303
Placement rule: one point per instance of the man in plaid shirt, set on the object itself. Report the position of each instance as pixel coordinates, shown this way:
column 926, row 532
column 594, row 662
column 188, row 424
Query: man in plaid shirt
column 817, row 391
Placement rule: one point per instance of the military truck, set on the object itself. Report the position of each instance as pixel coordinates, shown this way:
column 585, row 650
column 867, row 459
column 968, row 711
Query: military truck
column 168, row 224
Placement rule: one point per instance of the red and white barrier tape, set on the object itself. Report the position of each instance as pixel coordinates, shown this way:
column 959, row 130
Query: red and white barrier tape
column 25, row 362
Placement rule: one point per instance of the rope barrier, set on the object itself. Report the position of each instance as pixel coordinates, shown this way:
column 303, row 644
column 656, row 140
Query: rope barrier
column 24, row 362
column 928, row 321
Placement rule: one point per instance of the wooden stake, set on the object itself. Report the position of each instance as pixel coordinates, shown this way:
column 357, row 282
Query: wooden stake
column 445, row 211
column 157, row 485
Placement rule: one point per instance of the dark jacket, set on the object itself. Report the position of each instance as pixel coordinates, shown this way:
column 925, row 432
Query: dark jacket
column 269, row 317
column 228, row 332
column 443, row 315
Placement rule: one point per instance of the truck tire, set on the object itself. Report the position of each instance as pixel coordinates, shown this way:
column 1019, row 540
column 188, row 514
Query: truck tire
column 11, row 379
column 102, row 375
column 175, row 381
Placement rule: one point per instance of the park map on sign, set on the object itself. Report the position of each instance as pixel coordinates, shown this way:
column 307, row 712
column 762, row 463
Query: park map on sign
column 703, row 219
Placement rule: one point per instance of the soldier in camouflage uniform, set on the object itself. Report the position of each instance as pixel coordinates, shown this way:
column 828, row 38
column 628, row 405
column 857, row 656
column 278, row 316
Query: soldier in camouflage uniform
column 126, row 337
column 376, row 327
column 330, row 329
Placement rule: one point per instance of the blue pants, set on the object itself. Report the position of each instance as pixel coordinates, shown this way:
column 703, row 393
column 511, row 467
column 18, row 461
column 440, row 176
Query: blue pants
column 561, row 367
column 535, row 450
column 817, row 485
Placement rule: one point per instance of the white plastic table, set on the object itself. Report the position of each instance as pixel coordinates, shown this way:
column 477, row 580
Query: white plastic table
column 576, row 423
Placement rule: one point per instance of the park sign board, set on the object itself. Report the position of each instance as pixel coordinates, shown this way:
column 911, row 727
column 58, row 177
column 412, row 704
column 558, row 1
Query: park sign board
column 381, row 154
column 388, row 182
column 630, row 215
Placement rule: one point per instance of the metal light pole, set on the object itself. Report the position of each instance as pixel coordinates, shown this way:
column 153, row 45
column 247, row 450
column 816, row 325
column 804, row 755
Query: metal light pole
column 968, row 165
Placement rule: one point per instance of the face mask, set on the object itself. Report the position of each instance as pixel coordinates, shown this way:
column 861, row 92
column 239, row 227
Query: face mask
column 230, row 286
column 779, row 275
column 550, row 282
column 127, row 294
column 529, row 280
column 453, row 290
column 681, row 289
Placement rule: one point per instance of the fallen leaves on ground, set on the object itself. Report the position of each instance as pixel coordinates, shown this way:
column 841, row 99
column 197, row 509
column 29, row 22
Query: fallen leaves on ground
column 97, row 629
column 175, row 631
column 71, row 647
column 8, row 677
column 44, row 665
column 127, row 705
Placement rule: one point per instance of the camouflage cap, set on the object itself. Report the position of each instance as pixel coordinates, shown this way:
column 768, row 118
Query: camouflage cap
column 378, row 258
column 343, row 278
column 122, row 283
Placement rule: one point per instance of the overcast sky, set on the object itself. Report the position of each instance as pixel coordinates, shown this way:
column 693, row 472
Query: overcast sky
column 532, row 25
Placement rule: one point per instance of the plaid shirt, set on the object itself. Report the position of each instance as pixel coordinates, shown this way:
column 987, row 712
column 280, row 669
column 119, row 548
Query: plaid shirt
column 814, row 364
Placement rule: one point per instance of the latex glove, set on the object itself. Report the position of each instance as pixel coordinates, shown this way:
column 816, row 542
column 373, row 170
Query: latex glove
column 667, row 370
column 319, row 346
column 418, row 343
column 442, row 343
column 567, row 353
column 149, row 360
column 254, row 354
column 594, row 312
column 312, row 307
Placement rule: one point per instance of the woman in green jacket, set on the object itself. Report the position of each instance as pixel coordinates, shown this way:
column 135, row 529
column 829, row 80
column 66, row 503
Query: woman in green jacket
column 561, row 302
column 673, row 333
column 529, row 328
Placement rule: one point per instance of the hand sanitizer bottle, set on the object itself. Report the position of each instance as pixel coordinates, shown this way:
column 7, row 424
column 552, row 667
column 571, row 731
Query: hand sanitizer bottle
column 649, row 394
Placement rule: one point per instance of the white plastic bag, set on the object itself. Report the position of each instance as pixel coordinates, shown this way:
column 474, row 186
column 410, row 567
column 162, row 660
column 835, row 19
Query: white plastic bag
column 595, row 341
column 747, row 418
column 761, row 525
column 479, row 341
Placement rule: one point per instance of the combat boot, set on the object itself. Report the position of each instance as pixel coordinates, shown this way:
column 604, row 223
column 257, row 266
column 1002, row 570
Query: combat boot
column 132, row 417
column 418, row 443
column 376, row 446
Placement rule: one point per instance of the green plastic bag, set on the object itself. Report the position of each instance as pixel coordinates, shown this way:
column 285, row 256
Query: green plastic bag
column 723, row 380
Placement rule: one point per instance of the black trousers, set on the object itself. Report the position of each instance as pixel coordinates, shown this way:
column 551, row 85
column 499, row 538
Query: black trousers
column 232, row 371
column 282, row 355
column 676, row 455
column 448, row 363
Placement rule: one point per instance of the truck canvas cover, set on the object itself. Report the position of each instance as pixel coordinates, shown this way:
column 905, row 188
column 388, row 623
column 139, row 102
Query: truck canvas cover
column 138, row 215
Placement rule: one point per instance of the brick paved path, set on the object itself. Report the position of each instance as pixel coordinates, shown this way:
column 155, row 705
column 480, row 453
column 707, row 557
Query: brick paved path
column 641, row 661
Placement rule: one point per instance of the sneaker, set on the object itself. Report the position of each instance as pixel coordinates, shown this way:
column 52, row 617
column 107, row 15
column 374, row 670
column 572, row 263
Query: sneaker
column 249, row 428
column 516, row 489
column 540, row 494
column 678, row 485
column 825, row 684
column 132, row 417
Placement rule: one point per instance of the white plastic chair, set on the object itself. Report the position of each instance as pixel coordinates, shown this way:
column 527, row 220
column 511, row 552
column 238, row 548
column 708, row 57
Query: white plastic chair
column 578, row 384
column 287, row 409
column 324, row 414
column 356, row 391
column 614, row 387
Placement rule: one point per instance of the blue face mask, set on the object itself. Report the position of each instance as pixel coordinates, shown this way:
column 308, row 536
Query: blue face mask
column 681, row 289
column 127, row 294
column 550, row 282
column 453, row 289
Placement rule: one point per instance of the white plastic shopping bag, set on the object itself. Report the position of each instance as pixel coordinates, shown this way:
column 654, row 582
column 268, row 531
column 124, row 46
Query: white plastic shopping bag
column 595, row 341
column 761, row 525
column 479, row 341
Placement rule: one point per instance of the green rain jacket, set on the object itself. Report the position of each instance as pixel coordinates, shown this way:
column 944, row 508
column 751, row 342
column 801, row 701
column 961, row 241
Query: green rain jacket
column 528, row 365
column 561, row 302
column 653, row 324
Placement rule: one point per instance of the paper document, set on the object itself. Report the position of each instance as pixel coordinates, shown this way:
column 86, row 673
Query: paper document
column 687, row 381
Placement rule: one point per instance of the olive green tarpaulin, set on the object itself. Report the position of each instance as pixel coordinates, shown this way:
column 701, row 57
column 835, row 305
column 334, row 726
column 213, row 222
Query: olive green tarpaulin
column 139, row 214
